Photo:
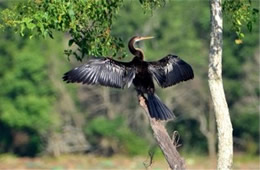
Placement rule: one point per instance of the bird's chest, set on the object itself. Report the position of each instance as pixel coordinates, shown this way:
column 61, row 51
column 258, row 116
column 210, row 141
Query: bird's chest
column 143, row 78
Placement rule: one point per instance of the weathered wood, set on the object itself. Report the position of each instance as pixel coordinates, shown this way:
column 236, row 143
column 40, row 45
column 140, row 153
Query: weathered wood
column 224, row 126
column 164, row 141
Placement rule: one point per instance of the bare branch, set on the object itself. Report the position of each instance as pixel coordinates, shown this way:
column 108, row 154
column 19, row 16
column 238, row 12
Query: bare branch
column 164, row 141
column 151, row 155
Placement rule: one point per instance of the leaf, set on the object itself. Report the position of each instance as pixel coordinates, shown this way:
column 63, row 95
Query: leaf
column 71, row 13
column 241, row 35
column 249, row 26
column 50, row 34
column 238, row 22
column 30, row 25
column 255, row 11
column 22, row 30
column 71, row 41
column 238, row 41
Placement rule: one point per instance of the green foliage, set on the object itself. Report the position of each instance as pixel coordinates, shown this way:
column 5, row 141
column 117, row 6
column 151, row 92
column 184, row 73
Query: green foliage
column 88, row 23
column 172, row 34
column 240, row 13
column 29, row 143
column 117, row 133
column 189, row 140
column 234, row 59
column 186, row 35
column 249, row 132
column 26, row 94
column 151, row 5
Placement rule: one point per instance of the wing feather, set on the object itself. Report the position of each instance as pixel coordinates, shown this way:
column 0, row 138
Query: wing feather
column 170, row 70
column 102, row 71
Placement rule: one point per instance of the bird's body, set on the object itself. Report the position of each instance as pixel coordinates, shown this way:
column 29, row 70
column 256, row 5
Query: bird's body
column 108, row 72
column 143, row 80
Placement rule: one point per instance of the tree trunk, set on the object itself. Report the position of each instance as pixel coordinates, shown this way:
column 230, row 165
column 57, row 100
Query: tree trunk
column 107, row 103
column 211, row 147
column 224, row 126
column 166, row 144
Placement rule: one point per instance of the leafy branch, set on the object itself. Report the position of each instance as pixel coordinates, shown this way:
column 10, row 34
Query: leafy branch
column 241, row 13
column 88, row 23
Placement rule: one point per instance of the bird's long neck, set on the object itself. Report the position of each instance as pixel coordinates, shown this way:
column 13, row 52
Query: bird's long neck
column 135, row 51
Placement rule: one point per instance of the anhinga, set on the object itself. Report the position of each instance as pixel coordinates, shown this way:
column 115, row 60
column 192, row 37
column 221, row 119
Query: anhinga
column 108, row 72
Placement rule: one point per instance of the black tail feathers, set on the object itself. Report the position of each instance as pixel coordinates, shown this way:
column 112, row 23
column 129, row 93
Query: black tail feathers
column 157, row 109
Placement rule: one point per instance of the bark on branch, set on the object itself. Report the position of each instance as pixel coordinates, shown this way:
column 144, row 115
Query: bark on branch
column 164, row 141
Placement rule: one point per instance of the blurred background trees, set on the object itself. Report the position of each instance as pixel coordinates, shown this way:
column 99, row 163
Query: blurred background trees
column 39, row 113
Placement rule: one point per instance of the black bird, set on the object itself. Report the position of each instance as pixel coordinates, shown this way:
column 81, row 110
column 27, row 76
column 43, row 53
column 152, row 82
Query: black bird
column 108, row 72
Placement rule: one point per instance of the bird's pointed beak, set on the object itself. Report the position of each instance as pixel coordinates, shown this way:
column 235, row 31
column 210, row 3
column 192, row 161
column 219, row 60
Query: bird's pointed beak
column 145, row 38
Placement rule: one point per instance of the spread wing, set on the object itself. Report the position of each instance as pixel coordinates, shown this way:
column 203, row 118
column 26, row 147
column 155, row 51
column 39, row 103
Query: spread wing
column 102, row 71
column 170, row 70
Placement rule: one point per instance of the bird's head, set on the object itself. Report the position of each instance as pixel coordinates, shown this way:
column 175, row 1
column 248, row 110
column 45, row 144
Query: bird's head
column 137, row 51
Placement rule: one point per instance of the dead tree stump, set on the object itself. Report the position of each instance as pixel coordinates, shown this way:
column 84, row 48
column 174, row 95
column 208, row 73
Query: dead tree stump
column 163, row 139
